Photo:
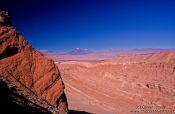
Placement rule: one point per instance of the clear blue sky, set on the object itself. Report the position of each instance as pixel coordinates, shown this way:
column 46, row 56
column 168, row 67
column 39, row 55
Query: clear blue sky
column 94, row 24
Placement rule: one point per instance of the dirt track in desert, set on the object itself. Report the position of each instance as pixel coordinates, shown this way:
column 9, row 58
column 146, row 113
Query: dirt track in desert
column 121, row 85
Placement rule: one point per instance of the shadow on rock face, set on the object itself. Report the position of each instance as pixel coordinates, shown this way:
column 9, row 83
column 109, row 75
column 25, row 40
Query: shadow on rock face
column 11, row 103
column 78, row 112
column 8, row 52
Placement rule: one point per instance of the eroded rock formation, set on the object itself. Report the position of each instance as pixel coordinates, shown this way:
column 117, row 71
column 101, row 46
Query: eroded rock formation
column 29, row 70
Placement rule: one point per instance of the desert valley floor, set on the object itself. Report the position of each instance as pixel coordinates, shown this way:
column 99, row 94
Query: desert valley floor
column 121, row 85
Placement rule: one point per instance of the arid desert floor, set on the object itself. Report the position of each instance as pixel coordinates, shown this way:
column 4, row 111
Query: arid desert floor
column 121, row 85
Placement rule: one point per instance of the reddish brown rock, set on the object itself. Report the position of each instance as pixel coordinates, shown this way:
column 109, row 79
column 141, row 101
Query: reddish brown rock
column 29, row 70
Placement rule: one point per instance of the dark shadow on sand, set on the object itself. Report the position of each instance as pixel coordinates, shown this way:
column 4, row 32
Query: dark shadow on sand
column 78, row 112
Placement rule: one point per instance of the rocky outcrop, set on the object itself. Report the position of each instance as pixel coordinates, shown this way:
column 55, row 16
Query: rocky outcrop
column 5, row 19
column 22, row 102
column 29, row 70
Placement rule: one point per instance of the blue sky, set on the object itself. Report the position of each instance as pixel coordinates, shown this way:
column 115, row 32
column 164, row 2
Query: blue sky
column 62, row 25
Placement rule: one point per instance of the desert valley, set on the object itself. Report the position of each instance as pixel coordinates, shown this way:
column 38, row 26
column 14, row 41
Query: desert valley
column 117, row 83
column 123, row 84
column 124, row 63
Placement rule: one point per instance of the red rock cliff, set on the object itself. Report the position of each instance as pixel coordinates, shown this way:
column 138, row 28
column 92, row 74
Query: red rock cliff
column 29, row 70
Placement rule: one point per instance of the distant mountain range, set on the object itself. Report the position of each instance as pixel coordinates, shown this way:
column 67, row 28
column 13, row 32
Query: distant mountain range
column 76, row 51
column 79, row 51
column 85, row 54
